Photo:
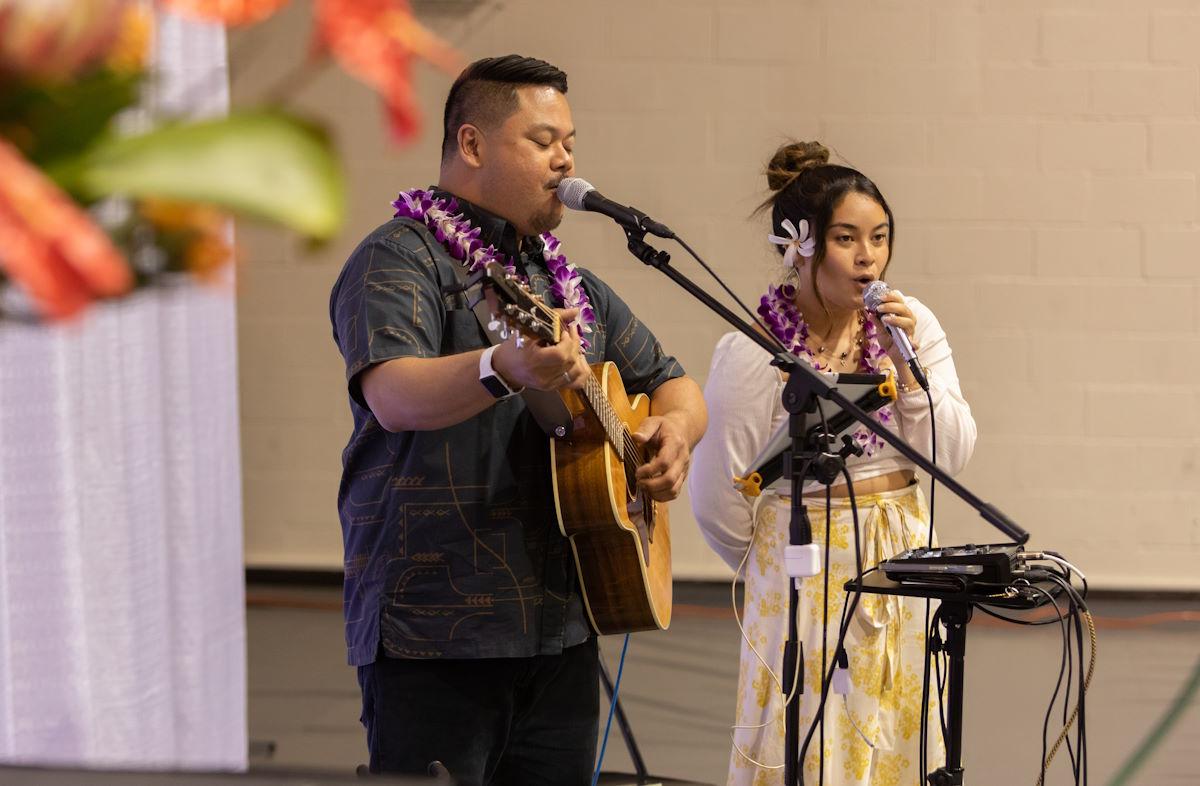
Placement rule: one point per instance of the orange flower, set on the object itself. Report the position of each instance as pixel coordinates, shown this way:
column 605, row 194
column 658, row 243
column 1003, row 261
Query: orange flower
column 57, row 39
column 172, row 216
column 49, row 246
column 134, row 38
column 203, row 229
column 227, row 12
column 376, row 41
column 207, row 255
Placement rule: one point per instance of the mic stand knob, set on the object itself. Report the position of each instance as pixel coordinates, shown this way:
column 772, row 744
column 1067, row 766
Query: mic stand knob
column 644, row 251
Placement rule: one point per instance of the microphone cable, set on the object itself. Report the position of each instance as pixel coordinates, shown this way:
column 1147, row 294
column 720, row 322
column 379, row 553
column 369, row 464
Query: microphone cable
column 720, row 282
column 848, row 609
column 797, row 676
column 824, row 613
column 923, row 754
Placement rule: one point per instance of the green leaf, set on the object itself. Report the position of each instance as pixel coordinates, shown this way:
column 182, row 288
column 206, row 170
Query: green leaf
column 53, row 121
column 261, row 164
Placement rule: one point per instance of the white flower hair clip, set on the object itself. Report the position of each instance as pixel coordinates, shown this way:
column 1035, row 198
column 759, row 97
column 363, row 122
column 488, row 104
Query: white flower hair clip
column 800, row 241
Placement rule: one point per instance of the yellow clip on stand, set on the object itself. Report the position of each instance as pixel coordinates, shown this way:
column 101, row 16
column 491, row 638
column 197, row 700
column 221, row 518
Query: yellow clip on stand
column 887, row 388
column 750, row 486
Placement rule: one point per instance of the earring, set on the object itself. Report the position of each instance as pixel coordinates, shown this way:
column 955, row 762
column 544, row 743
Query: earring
column 792, row 276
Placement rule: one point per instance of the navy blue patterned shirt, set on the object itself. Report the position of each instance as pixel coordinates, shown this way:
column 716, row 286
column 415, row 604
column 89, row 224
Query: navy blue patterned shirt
column 452, row 545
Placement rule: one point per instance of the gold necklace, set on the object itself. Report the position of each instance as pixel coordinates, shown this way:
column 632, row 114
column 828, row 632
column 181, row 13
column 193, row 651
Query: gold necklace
column 858, row 341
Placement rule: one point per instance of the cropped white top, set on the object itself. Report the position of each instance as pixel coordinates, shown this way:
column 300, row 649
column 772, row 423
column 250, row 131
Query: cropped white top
column 744, row 396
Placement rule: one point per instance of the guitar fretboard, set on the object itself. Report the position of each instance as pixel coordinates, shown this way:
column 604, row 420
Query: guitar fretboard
column 614, row 428
column 544, row 323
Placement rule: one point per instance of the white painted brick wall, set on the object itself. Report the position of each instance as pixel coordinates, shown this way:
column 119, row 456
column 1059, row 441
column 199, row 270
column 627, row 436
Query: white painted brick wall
column 1041, row 157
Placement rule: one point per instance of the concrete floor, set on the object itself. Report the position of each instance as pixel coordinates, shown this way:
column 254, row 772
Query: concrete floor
column 678, row 690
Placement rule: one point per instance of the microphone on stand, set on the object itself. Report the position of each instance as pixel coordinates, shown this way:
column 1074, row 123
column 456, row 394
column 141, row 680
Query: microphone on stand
column 578, row 194
column 872, row 297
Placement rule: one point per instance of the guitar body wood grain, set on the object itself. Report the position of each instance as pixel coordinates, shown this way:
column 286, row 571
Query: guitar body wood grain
column 623, row 556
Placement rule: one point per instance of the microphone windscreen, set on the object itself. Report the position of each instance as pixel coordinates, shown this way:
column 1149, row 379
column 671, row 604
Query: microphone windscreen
column 874, row 294
column 572, row 190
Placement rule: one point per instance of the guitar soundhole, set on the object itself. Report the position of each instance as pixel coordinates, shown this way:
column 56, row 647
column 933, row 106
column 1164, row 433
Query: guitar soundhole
column 641, row 515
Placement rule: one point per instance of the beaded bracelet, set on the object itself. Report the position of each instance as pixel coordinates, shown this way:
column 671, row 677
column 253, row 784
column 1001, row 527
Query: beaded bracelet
column 904, row 387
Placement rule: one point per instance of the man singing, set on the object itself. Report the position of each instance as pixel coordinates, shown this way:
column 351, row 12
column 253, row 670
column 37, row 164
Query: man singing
column 463, row 612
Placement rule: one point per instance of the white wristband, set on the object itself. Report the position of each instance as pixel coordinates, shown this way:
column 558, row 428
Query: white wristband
column 490, row 379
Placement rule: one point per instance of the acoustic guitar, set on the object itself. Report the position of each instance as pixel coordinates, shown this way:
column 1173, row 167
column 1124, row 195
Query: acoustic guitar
column 620, row 537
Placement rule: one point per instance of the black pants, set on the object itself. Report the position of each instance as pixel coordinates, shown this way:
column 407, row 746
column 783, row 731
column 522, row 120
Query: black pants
column 491, row 722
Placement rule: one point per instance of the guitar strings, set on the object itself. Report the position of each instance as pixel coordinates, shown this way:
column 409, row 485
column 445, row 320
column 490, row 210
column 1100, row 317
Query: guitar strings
column 631, row 453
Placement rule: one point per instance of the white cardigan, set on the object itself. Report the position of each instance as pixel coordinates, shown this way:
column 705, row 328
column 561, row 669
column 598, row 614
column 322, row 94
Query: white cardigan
column 744, row 396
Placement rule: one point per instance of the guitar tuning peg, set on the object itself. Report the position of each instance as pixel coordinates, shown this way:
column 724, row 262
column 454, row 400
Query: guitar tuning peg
column 504, row 331
column 520, row 341
column 494, row 324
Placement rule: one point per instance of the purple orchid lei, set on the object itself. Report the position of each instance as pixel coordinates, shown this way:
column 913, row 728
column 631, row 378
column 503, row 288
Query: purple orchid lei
column 462, row 240
column 786, row 323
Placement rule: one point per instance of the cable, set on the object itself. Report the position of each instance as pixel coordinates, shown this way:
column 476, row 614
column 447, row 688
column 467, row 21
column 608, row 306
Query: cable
column 766, row 666
column 612, row 706
column 1056, row 557
column 942, row 659
column 1057, row 686
column 753, row 317
column 825, row 617
column 825, row 605
column 923, row 737
column 1066, row 699
column 923, row 756
column 1085, row 682
column 933, row 459
column 844, row 627
column 819, row 718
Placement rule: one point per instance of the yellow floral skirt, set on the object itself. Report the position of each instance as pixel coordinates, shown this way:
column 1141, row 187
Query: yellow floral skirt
column 872, row 735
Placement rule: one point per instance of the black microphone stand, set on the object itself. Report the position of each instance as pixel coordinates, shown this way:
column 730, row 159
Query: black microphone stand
column 803, row 388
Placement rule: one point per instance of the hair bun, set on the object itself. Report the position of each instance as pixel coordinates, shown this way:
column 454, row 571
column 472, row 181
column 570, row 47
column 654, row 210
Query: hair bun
column 792, row 159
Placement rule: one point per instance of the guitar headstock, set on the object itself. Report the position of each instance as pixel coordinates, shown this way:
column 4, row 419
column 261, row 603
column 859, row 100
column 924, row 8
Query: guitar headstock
column 520, row 309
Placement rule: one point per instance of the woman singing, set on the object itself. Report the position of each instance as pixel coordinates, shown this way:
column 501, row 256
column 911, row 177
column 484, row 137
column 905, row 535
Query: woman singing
column 835, row 233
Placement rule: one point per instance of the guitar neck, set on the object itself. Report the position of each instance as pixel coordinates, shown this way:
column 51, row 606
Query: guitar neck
column 614, row 428
column 531, row 316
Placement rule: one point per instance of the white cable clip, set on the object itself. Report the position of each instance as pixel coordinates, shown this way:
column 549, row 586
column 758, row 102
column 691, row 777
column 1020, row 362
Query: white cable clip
column 841, row 674
column 802, row 562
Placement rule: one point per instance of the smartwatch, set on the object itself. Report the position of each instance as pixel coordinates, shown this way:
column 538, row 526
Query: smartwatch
column 492, row 381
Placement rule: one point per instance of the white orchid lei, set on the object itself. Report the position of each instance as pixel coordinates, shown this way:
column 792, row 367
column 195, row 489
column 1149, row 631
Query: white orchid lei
column 462, row 240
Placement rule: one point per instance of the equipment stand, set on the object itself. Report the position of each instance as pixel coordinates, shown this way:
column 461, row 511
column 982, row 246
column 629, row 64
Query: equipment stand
column 955, row 616
column 635, row 755
column 957, row 607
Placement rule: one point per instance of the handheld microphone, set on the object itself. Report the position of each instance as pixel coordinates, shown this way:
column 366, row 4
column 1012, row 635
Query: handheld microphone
column 872, row 297
column 578, row 194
